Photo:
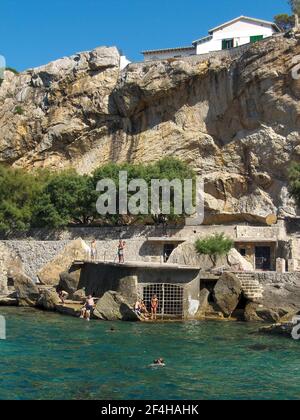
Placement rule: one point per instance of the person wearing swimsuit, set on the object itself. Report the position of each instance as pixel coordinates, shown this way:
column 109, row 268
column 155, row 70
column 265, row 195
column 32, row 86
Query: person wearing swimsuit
column 88, row 308
column 121, row 247
column 154, row 306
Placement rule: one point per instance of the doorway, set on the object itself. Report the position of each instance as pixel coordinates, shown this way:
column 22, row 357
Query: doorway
column 168, row 249
column 263, row 258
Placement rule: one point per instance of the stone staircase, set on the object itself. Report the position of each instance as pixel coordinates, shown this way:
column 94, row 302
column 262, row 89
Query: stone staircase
column 252, row 289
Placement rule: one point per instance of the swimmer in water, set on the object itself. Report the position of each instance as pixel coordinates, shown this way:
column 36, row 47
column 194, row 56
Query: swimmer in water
column 159, row 362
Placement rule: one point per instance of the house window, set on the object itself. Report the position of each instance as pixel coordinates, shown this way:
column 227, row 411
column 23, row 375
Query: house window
column 256, row 38
column 227, row 44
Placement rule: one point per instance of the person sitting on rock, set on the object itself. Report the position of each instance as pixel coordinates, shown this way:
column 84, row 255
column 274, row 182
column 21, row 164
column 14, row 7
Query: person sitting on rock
column 62, row 295
column 138, row 308
column 88, row 308
column 144, row 310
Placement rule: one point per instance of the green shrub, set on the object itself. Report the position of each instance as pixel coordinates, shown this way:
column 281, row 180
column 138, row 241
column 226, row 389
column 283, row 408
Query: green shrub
column 12, row 70
column 19, row 110
column 294, row 182
column 215, row 246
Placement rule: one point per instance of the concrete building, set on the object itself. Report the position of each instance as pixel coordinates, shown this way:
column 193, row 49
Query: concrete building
column 239, row 31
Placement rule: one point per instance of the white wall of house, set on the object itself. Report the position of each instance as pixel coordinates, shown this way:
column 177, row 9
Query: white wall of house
column 241, row 31
column 124, row 62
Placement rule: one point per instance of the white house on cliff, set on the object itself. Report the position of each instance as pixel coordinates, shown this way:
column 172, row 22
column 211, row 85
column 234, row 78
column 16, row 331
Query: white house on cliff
column 239, row 31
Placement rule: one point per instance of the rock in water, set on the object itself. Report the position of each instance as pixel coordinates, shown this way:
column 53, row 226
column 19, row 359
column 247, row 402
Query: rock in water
column 227, row 293
column 48, row 300
column 113, row 307
column 75, row 250
column 26, row 291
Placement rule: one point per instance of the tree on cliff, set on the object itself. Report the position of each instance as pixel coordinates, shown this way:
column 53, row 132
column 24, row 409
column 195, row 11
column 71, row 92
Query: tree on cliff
column 294, row 182
column 214, row 246
column 66, row 199
column 166, row 169
column 295, row 5
column 285, row 22
column 18, row 191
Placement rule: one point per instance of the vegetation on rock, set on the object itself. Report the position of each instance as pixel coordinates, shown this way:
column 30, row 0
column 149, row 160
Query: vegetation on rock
column 294, row 182
column 215, row 246
column 56, row 200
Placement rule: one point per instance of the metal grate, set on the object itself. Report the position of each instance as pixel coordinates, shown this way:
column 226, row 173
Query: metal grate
column 170, row 298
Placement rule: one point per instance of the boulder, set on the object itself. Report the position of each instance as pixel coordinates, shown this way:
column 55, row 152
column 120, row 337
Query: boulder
column 267, row 313
column 186, row 254
column 258, row 312
column 10, row 264
column 26, row 291
column 48, row 300
column 227, row 293
column 75, row 250
column 285, row 330
column 68, row 283
column 113, row 307
column 79, row 295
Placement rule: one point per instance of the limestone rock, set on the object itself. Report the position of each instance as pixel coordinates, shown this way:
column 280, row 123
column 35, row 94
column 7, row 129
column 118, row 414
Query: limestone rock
column 68, row 283
column 75, row 250
column 279, row 329
column 79, row 295
column 10, row 264
column 113, row 307
column 225, row 116
column 227, row 293
column 27, row 292
column 48, row 300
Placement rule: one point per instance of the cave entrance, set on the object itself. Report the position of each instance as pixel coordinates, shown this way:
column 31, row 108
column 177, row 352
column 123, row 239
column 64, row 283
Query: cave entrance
column 210, row 286
column 240, row 309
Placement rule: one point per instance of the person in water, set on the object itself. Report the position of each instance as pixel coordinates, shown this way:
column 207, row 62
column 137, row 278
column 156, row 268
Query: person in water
column 121, row 248
column 159, row 362
column 154, row 307
column 88, row 308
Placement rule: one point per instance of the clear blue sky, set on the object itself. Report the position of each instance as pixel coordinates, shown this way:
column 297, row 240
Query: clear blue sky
column 34, row 32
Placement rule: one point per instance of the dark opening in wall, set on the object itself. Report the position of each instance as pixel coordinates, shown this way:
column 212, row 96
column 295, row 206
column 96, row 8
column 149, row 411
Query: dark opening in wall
column 209, row 285
column 240, row 309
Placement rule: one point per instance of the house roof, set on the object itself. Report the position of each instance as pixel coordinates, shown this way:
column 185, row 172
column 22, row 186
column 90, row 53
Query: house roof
column 169, row 50
column 230, row 22
column 267, row 22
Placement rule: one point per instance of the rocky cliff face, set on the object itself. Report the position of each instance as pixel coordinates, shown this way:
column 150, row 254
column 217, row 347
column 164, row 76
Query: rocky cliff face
column 235, row 120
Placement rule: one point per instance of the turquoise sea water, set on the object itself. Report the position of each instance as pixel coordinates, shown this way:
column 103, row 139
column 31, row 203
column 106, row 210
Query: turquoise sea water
column 48, row 356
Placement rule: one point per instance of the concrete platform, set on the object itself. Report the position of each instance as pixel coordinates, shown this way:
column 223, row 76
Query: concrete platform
column 138, row 264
